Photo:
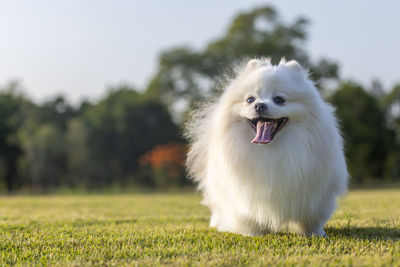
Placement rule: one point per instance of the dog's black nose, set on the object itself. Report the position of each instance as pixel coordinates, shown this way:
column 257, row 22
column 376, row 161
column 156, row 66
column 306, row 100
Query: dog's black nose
column 260, row 107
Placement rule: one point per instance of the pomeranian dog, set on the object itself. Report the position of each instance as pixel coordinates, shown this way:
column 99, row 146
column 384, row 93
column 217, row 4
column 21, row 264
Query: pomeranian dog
column 267, row 154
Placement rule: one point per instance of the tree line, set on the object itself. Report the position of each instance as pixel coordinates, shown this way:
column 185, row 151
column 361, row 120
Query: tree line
column 133, row 137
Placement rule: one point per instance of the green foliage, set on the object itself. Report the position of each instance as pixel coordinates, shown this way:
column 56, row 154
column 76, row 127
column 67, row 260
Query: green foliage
column 121, row 128
column 172, row 229
column 42, row 137
column 11, row 103
column 391, row 103
column 56, row 112
column 368, row 141
column 78, row 152
column 55, row 145
column 46, row 156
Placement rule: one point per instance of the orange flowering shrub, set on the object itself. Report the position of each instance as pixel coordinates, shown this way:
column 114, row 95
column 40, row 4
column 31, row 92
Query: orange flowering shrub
column 165, row 161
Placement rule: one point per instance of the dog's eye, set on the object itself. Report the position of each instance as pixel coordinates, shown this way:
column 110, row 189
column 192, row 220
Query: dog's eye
column 279, row 100
column 250, row 99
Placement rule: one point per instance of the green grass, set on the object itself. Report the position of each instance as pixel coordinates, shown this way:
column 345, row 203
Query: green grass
column 158, row 229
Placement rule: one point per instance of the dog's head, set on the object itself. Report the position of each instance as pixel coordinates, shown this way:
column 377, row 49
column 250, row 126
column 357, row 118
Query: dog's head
column 269, row 97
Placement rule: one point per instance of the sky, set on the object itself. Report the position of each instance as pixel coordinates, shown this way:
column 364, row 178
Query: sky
column 79, row 48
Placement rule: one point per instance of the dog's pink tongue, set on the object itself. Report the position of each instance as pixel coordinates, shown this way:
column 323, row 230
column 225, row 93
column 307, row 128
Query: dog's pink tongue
column 263, row 135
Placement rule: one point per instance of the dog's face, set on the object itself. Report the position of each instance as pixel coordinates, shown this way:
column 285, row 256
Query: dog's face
column 268, row 98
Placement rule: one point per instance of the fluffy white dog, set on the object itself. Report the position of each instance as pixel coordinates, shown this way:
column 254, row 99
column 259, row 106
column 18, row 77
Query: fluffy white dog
column 267, row 154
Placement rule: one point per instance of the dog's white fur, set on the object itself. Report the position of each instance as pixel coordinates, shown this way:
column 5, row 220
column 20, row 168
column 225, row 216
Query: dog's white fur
column 290, row 184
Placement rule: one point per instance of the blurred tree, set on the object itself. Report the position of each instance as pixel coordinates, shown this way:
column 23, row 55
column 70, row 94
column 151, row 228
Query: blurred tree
column 185, row 75
column 392, row 106
column 56, row 112
column 368, row 142
column 376, row 89
column 42, row 137
column 78, row 160
column 122, row 127
column 96, row 145
column 391, row 103
column 11, row 103
column 46, row 158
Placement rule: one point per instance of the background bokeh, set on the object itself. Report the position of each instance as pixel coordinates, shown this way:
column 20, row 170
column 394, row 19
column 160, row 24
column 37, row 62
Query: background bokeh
column 130, row 136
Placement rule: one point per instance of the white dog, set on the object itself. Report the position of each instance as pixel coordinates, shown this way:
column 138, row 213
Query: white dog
column 267, row 154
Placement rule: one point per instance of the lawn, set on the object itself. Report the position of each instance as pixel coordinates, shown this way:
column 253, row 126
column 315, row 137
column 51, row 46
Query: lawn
column 172, row 228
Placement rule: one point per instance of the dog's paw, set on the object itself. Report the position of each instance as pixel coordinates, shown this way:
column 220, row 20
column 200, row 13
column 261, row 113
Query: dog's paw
column 317, row 233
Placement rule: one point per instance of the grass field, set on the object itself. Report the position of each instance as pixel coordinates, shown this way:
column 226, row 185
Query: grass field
column 157, row 229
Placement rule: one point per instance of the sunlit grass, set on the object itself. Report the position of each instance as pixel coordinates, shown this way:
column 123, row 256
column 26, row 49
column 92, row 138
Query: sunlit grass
column 153, row 229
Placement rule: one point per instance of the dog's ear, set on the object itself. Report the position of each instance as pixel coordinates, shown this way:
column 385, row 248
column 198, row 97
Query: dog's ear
column 255, row 63
column 295, row 67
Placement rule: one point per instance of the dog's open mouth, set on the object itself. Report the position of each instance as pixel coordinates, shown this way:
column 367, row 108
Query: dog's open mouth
column 266, row 129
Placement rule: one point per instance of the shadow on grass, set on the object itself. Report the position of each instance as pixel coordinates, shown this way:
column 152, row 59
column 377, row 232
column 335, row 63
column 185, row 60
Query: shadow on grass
column 357, row 232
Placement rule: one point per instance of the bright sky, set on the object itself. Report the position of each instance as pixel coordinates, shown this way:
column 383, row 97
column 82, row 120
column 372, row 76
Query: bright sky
column 79, row 47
